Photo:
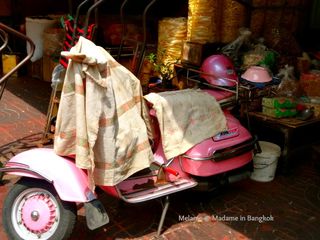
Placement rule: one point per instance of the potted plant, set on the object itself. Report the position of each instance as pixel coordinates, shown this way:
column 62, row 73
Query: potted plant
column 163, row 68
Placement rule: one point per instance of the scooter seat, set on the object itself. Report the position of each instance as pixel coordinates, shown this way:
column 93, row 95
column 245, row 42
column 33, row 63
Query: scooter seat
column 220, row 96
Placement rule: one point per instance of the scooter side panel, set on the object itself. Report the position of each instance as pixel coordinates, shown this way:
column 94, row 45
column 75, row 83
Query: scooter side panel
column 195, row 162
column 207, row 147
column 70, row 182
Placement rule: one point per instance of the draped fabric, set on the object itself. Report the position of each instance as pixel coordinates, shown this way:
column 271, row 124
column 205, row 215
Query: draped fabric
column 186, row 118
column 102, row 117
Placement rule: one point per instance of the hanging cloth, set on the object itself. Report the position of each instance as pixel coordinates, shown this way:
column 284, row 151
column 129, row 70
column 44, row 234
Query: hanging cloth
column 102, row 117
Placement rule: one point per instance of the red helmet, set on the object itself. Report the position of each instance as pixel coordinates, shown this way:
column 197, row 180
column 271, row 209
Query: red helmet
column 217, row 68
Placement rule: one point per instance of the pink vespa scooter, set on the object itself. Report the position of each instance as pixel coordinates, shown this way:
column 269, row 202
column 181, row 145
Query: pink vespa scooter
column 43, row 203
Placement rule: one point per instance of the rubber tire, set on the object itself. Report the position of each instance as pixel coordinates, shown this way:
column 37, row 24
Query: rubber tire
column 68, row 210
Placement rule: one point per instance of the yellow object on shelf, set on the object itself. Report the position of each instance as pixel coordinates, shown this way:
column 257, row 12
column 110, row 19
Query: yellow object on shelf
column 211, row 21
column 172, row 33
column 233, row 18
column 9, row 61
column 203, row 21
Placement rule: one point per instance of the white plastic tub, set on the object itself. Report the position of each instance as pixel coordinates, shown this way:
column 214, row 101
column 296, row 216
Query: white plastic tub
column 265, row 163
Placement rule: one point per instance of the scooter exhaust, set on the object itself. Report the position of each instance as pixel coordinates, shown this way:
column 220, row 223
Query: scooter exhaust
column 218, row 181
column 239, row 177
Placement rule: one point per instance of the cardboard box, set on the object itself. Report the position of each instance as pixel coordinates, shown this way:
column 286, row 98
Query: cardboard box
column 194, row 53
column 48, row 65
column 35, row 69
column 310, row 83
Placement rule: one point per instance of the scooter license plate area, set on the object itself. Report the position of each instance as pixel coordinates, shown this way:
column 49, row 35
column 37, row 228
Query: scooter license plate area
column 230, row 133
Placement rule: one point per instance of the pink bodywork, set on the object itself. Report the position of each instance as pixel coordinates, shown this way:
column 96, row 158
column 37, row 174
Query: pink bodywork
column 207, row 148
column 70, row 182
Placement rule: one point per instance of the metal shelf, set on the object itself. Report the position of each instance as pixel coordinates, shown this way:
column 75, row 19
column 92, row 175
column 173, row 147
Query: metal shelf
column 195, row 76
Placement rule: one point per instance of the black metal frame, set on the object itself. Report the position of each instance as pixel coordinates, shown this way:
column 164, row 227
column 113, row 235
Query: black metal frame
column 140, row 49
column 5, row 31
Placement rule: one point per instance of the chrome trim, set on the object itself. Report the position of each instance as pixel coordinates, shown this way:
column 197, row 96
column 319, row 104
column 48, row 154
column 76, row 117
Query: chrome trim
column 4, row 38
column 10, row 30
column 199, row 158
column 193, row 78
column 169, row 162
column 25, row 170
column 159, row 192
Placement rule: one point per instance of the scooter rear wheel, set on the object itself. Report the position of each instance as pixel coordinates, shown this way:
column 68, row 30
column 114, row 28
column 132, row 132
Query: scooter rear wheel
column 33, row 210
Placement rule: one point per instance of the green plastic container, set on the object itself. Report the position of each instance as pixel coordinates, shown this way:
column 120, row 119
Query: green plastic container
column 279, row 112
column 279, row 102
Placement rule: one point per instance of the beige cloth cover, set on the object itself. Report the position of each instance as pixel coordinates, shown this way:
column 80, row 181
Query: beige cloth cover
column 186, row 118
column 102, row 117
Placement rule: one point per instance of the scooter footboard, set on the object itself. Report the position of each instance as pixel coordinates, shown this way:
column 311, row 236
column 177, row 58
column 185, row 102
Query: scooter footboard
column 70, row 182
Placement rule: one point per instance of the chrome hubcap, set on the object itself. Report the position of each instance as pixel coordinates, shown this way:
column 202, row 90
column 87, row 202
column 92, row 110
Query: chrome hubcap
column 35, row 215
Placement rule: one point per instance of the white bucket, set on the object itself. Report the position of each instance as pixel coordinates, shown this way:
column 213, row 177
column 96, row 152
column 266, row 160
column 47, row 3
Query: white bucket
column 35, row 27
column 265, row 163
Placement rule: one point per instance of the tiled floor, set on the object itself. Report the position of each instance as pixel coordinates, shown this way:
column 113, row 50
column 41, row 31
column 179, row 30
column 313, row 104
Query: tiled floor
column 23, row 108
column 289, row 205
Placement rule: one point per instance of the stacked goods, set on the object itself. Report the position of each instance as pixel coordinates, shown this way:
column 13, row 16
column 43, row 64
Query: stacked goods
column 278, row 3
column 310, row 83
column 212, row 21
column 315, row 106
column 279, row 102
column 279, row 112
column 172, row 34
column 215, row 20
column 267, row 15
column 53, row 42
column 279, row 107
column 203, row 21
column 257, row 22
column 52, row 46
column 233, row 18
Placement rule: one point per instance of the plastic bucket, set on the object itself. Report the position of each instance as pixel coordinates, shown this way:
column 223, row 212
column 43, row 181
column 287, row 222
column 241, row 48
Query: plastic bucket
column 265, row 163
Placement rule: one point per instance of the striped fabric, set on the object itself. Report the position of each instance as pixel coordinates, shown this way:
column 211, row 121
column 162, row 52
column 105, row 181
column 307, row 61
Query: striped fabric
column 102, row 117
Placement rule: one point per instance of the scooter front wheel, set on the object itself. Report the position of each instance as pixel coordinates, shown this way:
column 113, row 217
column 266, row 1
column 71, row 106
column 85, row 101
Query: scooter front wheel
column 33, row 210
